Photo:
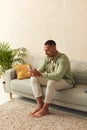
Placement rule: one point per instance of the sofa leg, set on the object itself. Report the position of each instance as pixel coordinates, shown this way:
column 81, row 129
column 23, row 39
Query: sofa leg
column 10, row 95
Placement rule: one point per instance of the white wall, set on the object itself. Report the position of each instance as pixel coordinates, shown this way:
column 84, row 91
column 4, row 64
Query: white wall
column 29, row 23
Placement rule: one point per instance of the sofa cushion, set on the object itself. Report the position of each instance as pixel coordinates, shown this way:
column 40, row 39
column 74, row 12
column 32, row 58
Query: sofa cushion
column 74, row 95
column 22, row 86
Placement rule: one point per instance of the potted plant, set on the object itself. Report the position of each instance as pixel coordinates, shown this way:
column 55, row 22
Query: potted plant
column 9, row 57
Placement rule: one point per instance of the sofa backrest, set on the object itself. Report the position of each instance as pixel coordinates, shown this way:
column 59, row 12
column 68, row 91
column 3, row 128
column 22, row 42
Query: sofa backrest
column 79, row 70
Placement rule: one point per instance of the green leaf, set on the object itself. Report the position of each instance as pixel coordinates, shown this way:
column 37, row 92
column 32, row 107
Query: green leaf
column 10, row 57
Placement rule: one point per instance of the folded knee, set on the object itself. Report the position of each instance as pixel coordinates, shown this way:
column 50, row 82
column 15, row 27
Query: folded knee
column 50, row 84
column 33, row 79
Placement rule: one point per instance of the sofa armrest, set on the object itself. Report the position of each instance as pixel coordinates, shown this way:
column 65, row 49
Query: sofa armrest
column 9, row 75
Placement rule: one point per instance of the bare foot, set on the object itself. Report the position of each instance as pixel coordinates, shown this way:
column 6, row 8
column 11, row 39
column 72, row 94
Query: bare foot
column 36, row 110
column 40, row 113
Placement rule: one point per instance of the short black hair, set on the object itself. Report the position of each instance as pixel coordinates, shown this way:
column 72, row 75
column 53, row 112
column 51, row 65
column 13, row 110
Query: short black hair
column 50, row 42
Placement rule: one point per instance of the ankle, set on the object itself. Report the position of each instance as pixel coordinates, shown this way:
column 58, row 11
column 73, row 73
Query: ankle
column 40, row 105
column 45, row 106
column 39, row 101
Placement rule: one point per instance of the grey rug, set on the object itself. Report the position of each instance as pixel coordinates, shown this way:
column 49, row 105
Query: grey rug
column 14, row 115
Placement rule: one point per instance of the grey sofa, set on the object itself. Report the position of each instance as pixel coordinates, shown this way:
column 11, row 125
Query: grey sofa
column 74, row 98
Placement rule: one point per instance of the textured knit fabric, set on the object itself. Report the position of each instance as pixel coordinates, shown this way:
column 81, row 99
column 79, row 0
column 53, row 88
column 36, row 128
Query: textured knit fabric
column 61, row 68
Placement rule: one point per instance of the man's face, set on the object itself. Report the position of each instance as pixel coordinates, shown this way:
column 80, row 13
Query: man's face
column 49, row 50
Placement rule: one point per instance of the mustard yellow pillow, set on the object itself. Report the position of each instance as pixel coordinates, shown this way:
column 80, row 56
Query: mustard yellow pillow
column 22, row 71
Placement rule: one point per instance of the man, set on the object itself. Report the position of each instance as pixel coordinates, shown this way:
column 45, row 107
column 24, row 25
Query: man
column 54, row 73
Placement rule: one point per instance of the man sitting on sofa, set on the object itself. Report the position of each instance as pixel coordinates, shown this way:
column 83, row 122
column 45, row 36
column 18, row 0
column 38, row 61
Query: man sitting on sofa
column 54, row 73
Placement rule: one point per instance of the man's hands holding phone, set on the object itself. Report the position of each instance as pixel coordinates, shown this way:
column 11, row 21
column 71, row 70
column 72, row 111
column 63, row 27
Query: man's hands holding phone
column 34, row 72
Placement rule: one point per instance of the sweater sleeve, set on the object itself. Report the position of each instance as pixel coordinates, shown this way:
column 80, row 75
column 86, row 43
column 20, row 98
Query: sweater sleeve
column 60, row 72
column 42, row 67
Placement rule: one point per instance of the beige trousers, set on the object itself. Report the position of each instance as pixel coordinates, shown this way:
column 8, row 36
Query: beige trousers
column 51, row 87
